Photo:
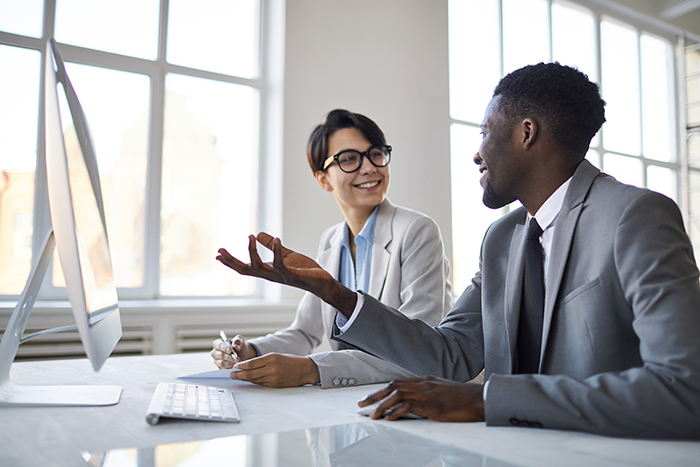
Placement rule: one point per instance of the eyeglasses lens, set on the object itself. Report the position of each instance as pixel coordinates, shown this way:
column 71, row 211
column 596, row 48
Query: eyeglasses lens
column 350, row 161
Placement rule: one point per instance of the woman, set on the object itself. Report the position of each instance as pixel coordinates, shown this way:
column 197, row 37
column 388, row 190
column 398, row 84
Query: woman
column 393, row 253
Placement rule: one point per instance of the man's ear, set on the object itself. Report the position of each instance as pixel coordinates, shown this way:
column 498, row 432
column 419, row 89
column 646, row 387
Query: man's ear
column 529, row 130
column 322, row 180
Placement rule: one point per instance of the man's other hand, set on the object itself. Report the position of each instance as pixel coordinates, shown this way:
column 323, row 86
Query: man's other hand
column 436, row 398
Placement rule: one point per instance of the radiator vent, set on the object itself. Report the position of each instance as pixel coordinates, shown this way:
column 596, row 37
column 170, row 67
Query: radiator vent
column 136, row 340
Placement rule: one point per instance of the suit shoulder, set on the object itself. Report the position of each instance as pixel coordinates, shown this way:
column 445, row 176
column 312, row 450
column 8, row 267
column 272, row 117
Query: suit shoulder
column 329, row 234
column 405, row 218
column 617, row 197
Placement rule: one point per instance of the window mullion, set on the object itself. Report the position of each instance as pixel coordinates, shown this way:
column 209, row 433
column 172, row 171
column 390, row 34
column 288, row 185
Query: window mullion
column 155, row 161
column 599, row 79
column 42, row 215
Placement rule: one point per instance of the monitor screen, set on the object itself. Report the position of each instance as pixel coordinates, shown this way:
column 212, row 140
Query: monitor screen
column 93, row 249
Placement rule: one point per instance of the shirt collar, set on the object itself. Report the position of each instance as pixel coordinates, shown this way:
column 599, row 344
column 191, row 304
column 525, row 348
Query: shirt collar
column 366, row 233
column 548, row 211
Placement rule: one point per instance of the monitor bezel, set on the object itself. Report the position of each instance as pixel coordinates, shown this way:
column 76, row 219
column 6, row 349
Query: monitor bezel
column 99, row 332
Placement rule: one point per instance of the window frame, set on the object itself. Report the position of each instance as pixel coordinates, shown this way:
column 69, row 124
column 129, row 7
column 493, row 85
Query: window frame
column 268, row 83
column 642, row 25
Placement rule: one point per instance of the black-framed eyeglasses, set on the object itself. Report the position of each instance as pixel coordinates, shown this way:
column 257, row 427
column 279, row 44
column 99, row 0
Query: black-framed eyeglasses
column 350, row 160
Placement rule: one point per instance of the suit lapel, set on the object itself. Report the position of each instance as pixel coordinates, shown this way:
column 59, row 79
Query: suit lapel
column 514, row 288
column 564, row 228
column 383, row 235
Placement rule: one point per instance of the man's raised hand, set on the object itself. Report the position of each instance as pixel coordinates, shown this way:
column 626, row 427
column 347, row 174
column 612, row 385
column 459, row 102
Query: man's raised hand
column 291, row 268
column 288, row 261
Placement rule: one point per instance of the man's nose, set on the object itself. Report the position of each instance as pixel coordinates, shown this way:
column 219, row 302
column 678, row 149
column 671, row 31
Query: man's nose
column 477, row 159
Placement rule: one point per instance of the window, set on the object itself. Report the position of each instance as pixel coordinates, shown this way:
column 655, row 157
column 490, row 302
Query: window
column 634, row 68
column 178, row 102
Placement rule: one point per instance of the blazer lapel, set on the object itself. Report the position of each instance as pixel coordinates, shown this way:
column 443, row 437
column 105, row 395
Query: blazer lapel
column 329, row 259
column 564, row 228
column 383, row 235
column 514, row 288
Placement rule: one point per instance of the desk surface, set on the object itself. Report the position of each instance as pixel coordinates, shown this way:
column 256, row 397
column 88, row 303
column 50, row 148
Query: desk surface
column 56, row 436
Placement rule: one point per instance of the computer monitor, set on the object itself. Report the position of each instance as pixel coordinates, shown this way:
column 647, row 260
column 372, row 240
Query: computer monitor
column 80, row 234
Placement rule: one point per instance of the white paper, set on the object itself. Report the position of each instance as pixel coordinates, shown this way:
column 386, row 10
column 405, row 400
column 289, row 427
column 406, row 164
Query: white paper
column 213, row 374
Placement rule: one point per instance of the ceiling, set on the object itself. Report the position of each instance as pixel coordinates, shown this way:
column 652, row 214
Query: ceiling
column 684, row 14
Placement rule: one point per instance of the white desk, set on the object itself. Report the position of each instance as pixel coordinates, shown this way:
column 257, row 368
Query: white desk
column 57, row 436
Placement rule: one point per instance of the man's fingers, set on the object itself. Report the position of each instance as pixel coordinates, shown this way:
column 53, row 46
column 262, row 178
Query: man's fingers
column 266, row 240
column 278, row 259
column 388, row 389
column 400, row 410
column 226, row 259
column 392, row 403
column 256, row 264
column 397, row 399
column 376, row 396
column 260, row 268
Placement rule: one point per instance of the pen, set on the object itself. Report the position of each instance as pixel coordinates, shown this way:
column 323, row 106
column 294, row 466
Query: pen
column 230, row 344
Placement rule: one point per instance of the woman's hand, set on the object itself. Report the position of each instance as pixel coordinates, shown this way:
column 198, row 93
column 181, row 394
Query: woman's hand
column 223, row 355
column 278, row 371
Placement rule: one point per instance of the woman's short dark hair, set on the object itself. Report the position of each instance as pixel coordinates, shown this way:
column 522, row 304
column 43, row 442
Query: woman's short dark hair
column 338, row 119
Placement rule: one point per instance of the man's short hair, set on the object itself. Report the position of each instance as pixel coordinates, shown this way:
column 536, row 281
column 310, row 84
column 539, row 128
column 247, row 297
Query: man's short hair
column 562, row 96
column 338, row 119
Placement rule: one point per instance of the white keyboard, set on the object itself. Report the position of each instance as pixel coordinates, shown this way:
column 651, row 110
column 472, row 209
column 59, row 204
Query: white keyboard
column 192, row 402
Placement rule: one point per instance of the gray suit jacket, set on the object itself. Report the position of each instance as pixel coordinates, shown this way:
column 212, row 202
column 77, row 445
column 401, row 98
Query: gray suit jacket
column 409, row 272
column 621, row 342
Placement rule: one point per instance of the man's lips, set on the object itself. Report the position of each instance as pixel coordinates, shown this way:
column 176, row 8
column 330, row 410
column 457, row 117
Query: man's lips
column 484, row 174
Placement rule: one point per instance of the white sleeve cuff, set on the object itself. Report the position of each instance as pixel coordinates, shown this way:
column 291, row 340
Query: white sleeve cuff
column 344, row 326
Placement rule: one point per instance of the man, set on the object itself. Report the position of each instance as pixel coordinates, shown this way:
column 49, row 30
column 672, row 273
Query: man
column 615, row 348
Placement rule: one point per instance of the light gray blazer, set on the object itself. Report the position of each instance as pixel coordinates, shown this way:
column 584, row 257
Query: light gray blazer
column 621, row 343
column 409, row 272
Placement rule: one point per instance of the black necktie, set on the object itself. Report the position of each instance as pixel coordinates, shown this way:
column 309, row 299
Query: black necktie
column 532, row 308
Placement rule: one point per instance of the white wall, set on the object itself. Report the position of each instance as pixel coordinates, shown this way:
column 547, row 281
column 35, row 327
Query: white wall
column 386, row 59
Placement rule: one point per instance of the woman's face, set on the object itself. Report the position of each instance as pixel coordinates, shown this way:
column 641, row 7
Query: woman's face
column 361, row 190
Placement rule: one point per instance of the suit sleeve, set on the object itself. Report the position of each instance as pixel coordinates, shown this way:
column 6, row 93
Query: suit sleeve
column 660, row 398
column 454, row 349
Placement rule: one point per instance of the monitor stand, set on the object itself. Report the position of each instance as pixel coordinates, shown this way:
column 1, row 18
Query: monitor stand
column 13, row 395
